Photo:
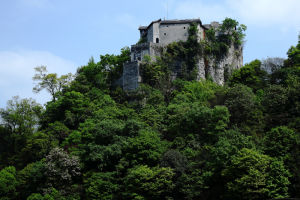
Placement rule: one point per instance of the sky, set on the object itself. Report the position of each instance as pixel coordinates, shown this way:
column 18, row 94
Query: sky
column 64, row 34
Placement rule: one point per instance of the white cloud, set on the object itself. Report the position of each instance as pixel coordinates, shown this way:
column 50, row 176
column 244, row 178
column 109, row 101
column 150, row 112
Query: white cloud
column 268, row 12
column 17, row 70
column 283, row 13
column 206, row 11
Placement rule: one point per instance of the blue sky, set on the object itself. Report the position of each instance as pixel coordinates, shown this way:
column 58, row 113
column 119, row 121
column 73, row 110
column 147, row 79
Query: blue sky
column 64, row 34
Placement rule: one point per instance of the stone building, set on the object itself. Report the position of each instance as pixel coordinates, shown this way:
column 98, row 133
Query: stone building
column 159, row 34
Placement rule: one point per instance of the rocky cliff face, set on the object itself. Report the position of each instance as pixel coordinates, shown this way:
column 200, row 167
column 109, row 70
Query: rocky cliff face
column 210, row 51
column 220, row 70
column 217, row 70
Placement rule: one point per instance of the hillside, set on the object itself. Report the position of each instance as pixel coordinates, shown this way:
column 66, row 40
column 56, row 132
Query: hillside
column 169, row 139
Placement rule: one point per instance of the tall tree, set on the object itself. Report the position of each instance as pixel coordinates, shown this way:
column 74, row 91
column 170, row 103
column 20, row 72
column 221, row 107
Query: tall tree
column 21, row 115
column 50, row 81
column 252, row 176
column 8, row 183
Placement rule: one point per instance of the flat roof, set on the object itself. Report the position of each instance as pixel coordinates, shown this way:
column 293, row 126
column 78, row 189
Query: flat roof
column 174, row 21
column 183, row 21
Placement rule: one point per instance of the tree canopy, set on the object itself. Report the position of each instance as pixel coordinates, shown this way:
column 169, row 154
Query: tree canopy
column 169, row 139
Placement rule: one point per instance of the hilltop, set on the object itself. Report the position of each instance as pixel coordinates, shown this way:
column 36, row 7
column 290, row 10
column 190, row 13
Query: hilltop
column 172, row 137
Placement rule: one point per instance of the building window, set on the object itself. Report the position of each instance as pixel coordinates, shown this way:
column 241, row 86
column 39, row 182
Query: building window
column 184, row 27
column 157, row 40
column 165, row 34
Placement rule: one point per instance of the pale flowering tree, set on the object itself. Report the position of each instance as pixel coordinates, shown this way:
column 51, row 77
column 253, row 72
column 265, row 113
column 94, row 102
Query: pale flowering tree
column 61, row 170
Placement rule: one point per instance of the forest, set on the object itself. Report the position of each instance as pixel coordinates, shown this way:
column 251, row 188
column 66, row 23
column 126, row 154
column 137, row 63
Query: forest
column 169, row 139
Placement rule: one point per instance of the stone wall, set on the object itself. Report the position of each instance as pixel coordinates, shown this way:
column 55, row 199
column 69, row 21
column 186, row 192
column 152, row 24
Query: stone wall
column 168, row 33
column 173, row 33
column 138, row 51
column 150, row 34
column 131, row 75
column 201, row 33
column 155, row 32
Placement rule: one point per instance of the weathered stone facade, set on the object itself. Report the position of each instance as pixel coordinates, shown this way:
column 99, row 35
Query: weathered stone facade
column 160, row 33
column 131, row 75
column 219, row 70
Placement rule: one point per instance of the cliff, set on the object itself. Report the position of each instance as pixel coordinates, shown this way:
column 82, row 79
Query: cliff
column 190, row 49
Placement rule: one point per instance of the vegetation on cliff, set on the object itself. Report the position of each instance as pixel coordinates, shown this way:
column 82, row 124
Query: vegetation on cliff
column 182, row 57
column 168, row 140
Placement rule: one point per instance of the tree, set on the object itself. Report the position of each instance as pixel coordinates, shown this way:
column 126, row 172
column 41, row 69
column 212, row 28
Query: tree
column 229, row 143
column 71, row 109
column 204, row 122
column 91, row 75
column 275, row 105
column 31, row 179
column 244, row 109
column 280, row 142
column 61, row 170
column 58, row 130
column 193, row 184
column 283, row 143
column 8, row 183
column 21, row 116
column 175, row 160
column 104, row 74
column 114, row 64
column 20, row 121
column 143, row 182
column 293, row 56
column 253, row 176
column 196, row 91
column 6, row 146
column 146, row 148
column 101, row 143
column 250, row 75
column 233, row 30
column 53, row 194
column 51, row 82
column 100, row 185
column 36, row 147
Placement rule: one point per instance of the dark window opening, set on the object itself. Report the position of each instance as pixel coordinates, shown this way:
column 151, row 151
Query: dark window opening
column 157, row 40
column 184, row 27
column 165, row 34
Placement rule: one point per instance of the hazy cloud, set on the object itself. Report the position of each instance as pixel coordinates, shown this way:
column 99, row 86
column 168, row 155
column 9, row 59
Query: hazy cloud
column 206, row 11
column 17, row 69
column 268, row 12
column 283, row 13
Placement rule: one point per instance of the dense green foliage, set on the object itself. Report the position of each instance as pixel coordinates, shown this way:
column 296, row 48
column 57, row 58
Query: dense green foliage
column 184, row 140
